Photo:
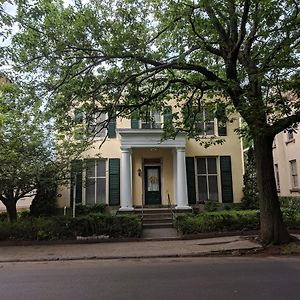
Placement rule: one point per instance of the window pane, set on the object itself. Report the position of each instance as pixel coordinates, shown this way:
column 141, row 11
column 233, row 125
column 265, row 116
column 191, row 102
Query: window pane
column 201, row 166
column 209, row 128
column 90, row 192
column 101, row 191
column 100, row 168
column 212, row 166
column 209, row 115
column 90, row 168
column 202, row 187
column 213, row 188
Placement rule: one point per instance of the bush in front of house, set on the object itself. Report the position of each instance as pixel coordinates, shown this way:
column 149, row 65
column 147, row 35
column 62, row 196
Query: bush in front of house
column 229, row 220
column 218, row 221
column 290, row 202
column 63, row 228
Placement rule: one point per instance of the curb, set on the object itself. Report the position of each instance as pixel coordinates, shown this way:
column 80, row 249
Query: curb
column 219, row 253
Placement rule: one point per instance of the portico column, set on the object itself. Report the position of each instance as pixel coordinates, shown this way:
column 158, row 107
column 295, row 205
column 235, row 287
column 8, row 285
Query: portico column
column 126, row 181
column 182, row 194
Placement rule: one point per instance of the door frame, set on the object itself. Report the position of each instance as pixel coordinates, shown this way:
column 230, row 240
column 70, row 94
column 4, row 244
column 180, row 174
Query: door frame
column 149, row 166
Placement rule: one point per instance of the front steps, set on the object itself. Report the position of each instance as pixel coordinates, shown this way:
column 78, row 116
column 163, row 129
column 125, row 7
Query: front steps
column 158, row 217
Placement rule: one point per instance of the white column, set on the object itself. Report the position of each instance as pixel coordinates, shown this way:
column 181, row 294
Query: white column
column 126, row 182
column 182, row 194
column 175, row 175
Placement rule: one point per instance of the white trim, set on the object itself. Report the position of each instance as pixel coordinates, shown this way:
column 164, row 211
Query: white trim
column 144, row 138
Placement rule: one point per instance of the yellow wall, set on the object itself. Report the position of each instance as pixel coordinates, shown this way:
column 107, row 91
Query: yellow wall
column 111, row 149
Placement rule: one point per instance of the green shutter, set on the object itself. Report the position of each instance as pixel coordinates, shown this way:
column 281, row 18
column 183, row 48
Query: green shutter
column 76, row 169
column 134, row 120
column 78, row 116
column 190, row 176
column 222, row 129
column 168, row 116
column 112, row 128
column 114, row 181
column 226, row 179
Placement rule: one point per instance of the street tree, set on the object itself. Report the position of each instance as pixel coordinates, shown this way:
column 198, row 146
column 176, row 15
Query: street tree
column 125, row 55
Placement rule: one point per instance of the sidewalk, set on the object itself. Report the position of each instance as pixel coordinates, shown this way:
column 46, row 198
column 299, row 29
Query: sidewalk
column 119, row 250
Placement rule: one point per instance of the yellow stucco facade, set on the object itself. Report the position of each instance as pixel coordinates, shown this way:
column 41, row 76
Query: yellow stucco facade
column 141, row 153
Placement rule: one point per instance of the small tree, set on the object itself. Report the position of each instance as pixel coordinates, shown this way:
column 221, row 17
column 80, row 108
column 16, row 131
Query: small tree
column 25, row 152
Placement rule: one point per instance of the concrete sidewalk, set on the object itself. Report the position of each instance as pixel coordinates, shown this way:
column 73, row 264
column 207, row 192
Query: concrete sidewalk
column 115, row 250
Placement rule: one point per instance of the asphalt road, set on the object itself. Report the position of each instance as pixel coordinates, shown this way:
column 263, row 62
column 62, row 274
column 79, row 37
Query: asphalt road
column 193, row 278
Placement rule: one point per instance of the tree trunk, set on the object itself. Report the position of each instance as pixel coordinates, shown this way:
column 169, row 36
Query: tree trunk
column 272, row 228
column 11, row 208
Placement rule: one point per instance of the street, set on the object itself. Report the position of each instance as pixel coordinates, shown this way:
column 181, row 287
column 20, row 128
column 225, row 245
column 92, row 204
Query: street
column 182, row 278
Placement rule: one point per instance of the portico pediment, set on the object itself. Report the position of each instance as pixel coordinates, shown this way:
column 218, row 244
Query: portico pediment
column 148, row 138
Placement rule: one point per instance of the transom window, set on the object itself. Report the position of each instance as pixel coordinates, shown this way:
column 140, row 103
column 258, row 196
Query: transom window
column 294, row 173
column 207, row 177
column 95, row 190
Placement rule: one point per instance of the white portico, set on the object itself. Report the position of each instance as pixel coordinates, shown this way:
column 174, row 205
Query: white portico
column 151, row 139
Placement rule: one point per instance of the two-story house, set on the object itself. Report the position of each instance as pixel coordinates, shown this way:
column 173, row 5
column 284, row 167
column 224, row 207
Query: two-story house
column 138, row 168
column 286, row 154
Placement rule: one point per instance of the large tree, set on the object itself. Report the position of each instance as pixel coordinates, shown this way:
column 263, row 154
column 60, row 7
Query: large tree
column 129, row 54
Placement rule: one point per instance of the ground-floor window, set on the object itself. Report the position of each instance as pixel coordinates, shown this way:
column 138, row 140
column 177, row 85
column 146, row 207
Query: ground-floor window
column 294, row 173
column 95, row 186
column 207, row 179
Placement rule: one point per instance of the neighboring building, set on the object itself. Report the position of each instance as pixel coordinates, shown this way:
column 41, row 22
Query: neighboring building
column 286, row 154
column 137, row 168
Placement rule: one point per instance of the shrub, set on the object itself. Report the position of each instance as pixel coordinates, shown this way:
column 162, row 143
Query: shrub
column 57, row 228
column 290, row 202
column 229, row 220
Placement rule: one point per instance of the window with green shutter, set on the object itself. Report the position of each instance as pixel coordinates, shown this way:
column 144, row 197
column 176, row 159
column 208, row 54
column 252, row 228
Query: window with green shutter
column 112, row 128
column 226, row 179
column 76, row 176
column 135, row 120
column 168, row 117
column 190, row 176
column 114, row 181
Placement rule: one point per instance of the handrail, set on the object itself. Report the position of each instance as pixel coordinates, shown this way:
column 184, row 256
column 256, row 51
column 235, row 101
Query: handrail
column 170, row 206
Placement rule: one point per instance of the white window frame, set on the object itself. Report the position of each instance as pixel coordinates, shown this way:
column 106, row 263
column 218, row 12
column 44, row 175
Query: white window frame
column 94, row 122
column 84, row 175
column 151, row 121
column 294, row 173
column 217, row 175
column 276, row 171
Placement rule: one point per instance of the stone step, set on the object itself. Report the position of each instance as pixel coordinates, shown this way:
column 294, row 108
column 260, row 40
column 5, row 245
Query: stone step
column 158, row 225
column 157, row 216
column 153, row 220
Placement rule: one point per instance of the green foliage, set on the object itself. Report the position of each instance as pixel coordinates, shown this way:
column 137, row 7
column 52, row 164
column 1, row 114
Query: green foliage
column 290, row 202
column 218, row 221
column 229, row 220
column 60, row 228
column 85, row 209
column 44, row 202
column 250, row 190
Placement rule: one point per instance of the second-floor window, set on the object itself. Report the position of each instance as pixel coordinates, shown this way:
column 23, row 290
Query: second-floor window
column 96, row 125
column 152, row 120
column 207, row 124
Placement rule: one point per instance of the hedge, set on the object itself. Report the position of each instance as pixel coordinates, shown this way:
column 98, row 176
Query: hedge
column 228, row 221
column 62, row 228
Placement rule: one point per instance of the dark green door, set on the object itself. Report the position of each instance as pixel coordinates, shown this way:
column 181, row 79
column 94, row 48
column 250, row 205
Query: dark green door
column 152, row 185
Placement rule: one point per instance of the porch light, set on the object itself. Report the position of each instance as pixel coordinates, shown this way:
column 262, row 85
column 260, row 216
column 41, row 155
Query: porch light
column 139, row 171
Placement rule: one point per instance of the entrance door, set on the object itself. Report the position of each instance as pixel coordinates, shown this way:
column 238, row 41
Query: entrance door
column 152, row 185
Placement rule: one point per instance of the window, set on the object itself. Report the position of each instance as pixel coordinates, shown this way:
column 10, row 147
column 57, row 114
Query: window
column 290, row 135
column 276, row 170
column 95, row 189
column 207, row 177
column 294, row 174
column 97, row 125
column 152, row 120
column 207, row 124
